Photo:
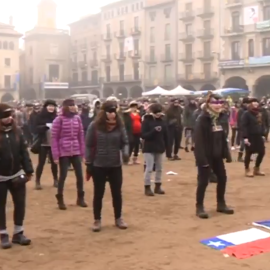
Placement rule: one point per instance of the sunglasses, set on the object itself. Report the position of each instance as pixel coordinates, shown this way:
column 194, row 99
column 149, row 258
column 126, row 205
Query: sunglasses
column 111, row 110
column 217, row 102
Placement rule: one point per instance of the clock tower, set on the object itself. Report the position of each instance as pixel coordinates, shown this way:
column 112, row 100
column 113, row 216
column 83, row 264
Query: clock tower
column 47, row 14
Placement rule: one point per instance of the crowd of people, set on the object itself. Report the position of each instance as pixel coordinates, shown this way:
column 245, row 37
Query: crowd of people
column 103, row 136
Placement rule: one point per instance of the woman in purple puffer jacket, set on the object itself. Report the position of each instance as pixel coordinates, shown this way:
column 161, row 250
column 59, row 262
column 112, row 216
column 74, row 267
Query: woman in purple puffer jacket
column 67, row 144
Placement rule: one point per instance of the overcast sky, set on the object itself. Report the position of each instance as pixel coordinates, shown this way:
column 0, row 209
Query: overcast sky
column 24, row 12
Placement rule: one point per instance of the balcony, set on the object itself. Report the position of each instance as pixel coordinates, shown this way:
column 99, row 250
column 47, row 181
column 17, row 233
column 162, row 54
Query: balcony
column 234, row 31
column 187, row 15
column 205, row 33
column 205, row 12
column 121, row 79
column 74, row 49
column 135, row 31
column 120, row 56
column 187, row 37
column 85, row 84
column 120, row 34
column 107, row 37
column 187, row 58
column 152, row 59
column 83, row 64
column 205, row 56
column 93, row 44
column 83, row 47
column 93, row 63
column 231, row 63
column 74, row 65
column 167, row 57
column 170, row 81
column 7, row 88
column 136, row 54
column 198, row 77
column 263, row 26
column 106, row 58
column 233, row 3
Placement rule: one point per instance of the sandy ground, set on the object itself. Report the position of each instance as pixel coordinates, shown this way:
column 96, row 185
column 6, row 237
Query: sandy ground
column 163, row 232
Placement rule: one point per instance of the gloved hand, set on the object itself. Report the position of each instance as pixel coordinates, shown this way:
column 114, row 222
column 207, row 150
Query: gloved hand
column 125, row 159
column 89, row 168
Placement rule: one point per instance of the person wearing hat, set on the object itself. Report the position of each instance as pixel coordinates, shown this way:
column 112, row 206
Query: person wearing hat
column 43, row 128
column 15, row 170
column 253, row 131
column 32, row 121
column 211, row 148
column 106, row 146
column 68, row 146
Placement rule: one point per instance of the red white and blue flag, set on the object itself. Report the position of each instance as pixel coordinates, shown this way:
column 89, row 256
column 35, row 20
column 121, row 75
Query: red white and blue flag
column 242, row 244
column 264, row 224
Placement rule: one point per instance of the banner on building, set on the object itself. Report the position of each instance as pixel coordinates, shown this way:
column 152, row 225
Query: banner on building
column 251, row 15
column 129, row 44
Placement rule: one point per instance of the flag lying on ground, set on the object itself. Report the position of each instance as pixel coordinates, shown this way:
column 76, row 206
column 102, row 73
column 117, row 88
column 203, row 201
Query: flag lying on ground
column 242, row 244
column 265, row 224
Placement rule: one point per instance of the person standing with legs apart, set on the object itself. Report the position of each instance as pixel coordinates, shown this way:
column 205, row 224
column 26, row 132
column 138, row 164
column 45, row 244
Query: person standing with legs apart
column 253, row 132
column 15, row 170
column 155, row 136
column 211, row 148
column 68, row 146
column 106, row 146
column 43, row 128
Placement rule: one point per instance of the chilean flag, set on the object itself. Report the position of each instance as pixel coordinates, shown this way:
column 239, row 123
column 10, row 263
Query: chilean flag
column 242, row 244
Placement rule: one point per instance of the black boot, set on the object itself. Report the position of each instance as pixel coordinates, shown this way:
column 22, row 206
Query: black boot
column 60, row 202
column 5, row 243
column 148, row 191
column 80, row 200
column 240, row 157
column 21, row 239
column 38, row 185
column 200, row 212
column 158, row 189
column 55, row 183
column 223, row 208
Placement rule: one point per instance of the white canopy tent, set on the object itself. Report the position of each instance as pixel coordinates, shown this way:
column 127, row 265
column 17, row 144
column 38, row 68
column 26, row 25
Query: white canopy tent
column 180, row 91
column 157, row 91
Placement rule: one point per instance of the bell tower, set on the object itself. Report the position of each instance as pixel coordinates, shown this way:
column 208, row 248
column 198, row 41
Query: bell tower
column 47, row 14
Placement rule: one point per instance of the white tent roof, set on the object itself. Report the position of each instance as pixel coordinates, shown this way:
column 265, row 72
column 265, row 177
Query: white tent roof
column 157, row 91
column 180, row 91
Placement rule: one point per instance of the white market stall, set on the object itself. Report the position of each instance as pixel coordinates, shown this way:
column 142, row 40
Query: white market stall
column 158, row 91
column 180, row 91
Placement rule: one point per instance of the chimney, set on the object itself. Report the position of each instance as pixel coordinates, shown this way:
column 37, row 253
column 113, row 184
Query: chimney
column 10, row 20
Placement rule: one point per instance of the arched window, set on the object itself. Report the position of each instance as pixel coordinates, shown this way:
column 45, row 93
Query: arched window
column 5, row 45
column 11, row 45
column 251, row 48
column 235, row 20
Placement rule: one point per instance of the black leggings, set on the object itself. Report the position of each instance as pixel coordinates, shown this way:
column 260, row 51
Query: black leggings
column 114, row 177
column 45, row 152
column 134, row 145
column 258, row 161
column 64, row 163
column 18, row 194
column 218, row 169
column 234, row 136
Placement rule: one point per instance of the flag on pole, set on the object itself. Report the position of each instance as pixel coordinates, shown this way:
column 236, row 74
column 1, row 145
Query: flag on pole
column 242, row 244
column 129, row 44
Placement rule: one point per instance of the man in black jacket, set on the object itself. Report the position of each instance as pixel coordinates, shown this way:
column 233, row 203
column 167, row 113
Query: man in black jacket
column 210, row 149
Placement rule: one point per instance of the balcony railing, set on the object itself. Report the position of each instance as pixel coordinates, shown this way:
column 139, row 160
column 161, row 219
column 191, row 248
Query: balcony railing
column 135, row 54
column 106, row 58
column 83, row 47
column 167, row 57
column 205, row 12
column 83, row 64
column 120, row 79
column 135, row 31
column 93, row 62
column 234, row 31
column 188, row 37
column 187, row 57
column 7, row 87
column 207, row 56
column 233, row 3
column 187, row 15
column 84, row 83
column 151, row 59
column 107, row 36
column 120, row 56
column 205, row 33
column 120, row 33
column 74, row 65
column 198, row 77
column 93, row 44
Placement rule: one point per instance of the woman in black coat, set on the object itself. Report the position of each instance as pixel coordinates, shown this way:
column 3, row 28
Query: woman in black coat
column 253, row 132
column 210, row 149
column 15, row 170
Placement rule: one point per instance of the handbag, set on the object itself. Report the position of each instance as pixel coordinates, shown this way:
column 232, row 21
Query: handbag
column 36, row 145
column 93, row 151
column 22, row 179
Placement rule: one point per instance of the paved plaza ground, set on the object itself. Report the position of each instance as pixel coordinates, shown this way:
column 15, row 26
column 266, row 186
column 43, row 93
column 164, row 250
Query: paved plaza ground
column 163, row 233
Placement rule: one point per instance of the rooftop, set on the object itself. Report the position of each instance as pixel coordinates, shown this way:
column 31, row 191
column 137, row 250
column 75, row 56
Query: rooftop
column 7, row 29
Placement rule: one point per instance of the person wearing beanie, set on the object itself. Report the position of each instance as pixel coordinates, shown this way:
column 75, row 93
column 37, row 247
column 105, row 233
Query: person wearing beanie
column 15, row 170
column 211, row 148
column 67, row 143
column 106, row 147
column 32, row 121
column 174, row 123
column 43, row 127
column 85, row 116
column 253, row 133
column 155, row 136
